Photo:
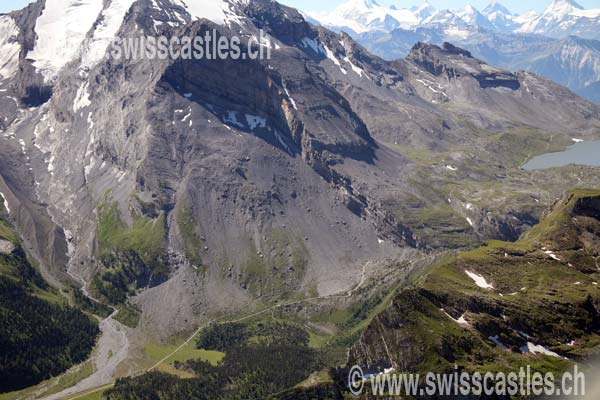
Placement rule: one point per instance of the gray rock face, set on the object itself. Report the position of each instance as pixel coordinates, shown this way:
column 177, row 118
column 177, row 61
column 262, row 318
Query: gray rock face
column 268, row 178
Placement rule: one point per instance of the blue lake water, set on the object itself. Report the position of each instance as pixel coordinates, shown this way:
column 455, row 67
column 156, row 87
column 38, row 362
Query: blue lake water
column 584, row 153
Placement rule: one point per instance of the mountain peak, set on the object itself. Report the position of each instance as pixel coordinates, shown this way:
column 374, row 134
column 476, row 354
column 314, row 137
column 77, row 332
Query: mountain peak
column 424, row 11
column 496, row 7
column 563, row 6
column 572, row 3
column 470, row 9
column 426, row 4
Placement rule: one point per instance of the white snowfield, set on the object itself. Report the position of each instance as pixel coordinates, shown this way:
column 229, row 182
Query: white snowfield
column 62, row 28
column 479, row 280
column 60, row 31
column 9, row 47
column 362, row 15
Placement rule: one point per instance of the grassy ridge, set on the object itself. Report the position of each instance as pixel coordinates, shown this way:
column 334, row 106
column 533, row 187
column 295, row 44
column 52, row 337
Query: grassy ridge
column 145, row 236
column 544, row 292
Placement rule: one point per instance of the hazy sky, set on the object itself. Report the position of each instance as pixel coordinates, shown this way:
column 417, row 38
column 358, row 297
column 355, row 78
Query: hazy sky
column 517, row 6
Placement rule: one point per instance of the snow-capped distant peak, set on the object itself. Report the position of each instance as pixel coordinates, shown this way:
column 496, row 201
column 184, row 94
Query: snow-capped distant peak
column 496, row 8
column 473, row 17
column 560, row 19
column 469, row 9
column 561, row 8
column 424, row 11
column 564, row 5
column 563, row 18
column 365, row 15
column 445, row 17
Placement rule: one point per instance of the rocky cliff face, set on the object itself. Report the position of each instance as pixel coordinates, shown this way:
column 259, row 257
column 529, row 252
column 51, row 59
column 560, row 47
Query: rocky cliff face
column 287, row 181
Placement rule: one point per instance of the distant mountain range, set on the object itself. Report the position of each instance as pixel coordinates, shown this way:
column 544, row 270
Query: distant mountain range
column 561, row 43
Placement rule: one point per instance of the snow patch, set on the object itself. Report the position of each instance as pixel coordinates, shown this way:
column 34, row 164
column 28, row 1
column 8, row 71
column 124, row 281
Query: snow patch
column 255, row 122
column 479, row 280
column 332, row 57
column 90, row 121
column 538, row 349
column 460, row 321
column 5, row 202
column 552, row 255
column 429, row 85
column 287, row 93
column 359, row 71
column 231, row 118
column 82, row 98
column 313, row 44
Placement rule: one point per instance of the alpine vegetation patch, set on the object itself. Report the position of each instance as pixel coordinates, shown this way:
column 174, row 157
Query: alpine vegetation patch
column 210, row 46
